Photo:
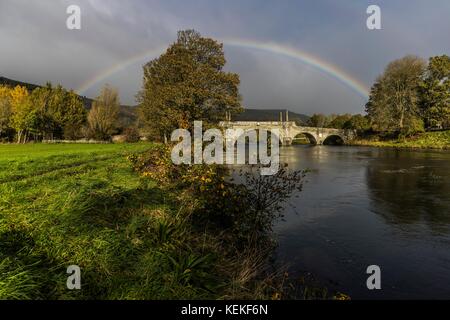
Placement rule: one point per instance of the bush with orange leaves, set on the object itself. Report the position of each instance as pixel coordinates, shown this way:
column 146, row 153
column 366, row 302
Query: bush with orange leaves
column 243, row 202
column 216, row 197
column 156, row 164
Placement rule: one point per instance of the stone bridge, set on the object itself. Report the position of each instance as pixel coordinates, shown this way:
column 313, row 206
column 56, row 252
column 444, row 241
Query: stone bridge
column 289, row 130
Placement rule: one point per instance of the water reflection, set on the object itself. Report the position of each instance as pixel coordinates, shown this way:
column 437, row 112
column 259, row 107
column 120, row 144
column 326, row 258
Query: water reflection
column 411, row 188
column 365, row 206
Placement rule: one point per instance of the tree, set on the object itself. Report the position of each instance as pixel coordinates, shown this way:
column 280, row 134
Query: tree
column 74, row 116
column 43, row 100
column 435, row 92
column 339, row 121
column 102, row 118
column 357, row 122
column 394, row 99
column 318, row 120
column 61, row 112
column 5, row 109
column 187, row 83
column 24, row 118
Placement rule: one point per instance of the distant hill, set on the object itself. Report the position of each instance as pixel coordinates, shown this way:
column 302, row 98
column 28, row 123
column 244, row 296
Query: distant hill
column 270, row 115
column 13, row 83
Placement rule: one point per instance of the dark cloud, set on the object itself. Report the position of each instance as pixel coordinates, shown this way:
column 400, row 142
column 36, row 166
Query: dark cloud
column 37, row 47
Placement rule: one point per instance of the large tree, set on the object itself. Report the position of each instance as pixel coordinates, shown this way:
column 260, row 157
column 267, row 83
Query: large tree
column 5, row 109
column 61, row 112
column 103, row 116
column 74, row 115
column 41, row 98
column 394, row 99
column 24, row 117
column 435, row 92
column 187, row 83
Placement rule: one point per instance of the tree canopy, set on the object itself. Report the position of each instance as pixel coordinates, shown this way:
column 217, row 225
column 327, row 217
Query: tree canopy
column 61, row 113
column 394, row 99
column 44, row 113
column 102, row 118
column 187, row 83
column 435, row 92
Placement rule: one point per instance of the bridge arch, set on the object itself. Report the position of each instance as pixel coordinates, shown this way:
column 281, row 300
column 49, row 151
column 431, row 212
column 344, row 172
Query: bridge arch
column 334, row 140
column 311, row 137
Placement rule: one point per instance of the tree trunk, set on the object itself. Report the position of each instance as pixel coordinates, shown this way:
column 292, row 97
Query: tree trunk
column 402, row 116
column 401, row 120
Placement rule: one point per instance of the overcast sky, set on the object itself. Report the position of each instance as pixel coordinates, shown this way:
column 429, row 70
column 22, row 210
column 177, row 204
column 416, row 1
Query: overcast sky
column 36, row 46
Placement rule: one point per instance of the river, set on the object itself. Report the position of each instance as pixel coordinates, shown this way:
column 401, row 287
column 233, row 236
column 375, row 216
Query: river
column 367, row 206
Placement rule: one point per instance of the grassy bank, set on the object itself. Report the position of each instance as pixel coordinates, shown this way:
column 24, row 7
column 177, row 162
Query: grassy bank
column 427, row 140
column 83, row 205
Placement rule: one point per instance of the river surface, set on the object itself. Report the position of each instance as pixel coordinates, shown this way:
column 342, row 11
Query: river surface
column 368, row 206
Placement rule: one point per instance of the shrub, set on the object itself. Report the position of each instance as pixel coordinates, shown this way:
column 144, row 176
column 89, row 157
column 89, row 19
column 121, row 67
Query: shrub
column 73, row 132
column 131, row 135
column 414, row 127
column 157, row 164
column 247, row 205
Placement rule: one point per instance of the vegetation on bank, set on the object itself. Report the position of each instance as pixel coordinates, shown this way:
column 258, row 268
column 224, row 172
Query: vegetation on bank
column 426, row 140
column 138, row 228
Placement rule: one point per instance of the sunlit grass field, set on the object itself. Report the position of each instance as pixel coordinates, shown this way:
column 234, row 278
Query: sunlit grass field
column 82, row 205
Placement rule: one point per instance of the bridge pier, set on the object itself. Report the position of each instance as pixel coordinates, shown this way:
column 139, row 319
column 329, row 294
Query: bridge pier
column 286, row 141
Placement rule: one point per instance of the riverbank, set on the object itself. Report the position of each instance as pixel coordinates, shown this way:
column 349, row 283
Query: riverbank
column 84, row 205
column 429, row 140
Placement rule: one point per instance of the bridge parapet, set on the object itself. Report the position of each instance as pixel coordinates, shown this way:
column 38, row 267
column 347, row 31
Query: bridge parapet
column 253, row 123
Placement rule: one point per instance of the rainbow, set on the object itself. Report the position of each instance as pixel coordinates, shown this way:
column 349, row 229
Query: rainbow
column 306, row 58
column 105, row 74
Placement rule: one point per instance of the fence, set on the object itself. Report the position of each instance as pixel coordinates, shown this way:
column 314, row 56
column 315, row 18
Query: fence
column 76, row 141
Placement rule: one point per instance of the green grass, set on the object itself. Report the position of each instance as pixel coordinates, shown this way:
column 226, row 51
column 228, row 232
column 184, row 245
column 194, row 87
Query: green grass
column 427, row 140
column 84, row 205
column 76, row 204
